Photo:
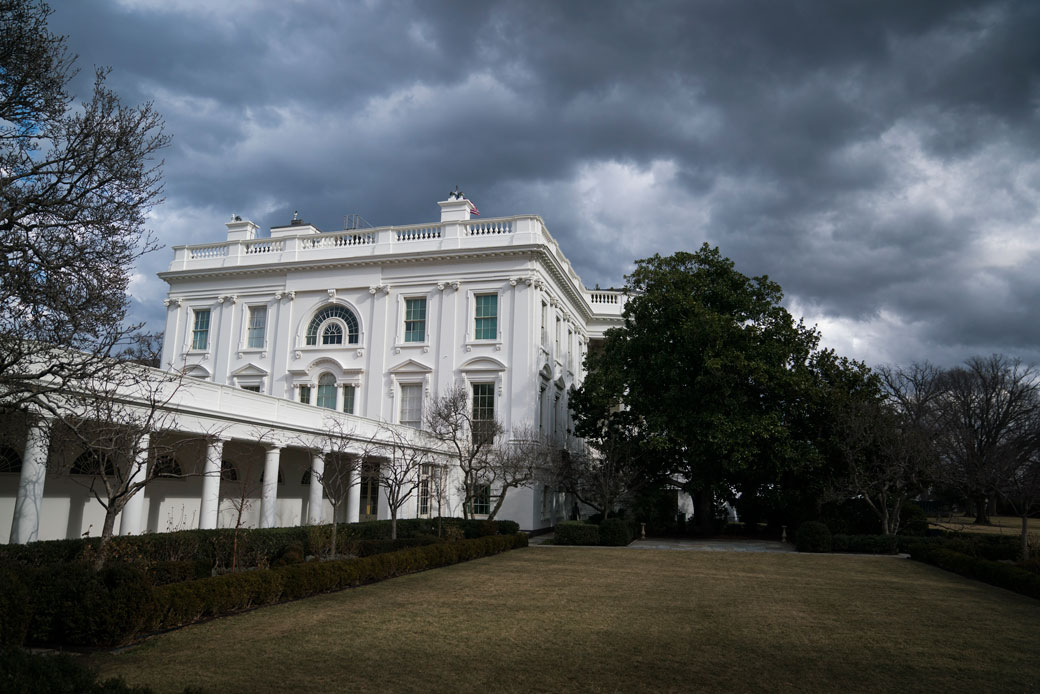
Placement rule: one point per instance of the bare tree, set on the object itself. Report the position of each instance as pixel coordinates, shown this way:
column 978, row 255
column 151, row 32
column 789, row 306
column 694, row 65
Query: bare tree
column 75, row 187
column 518, row 462
column 113, row 424
column 887, row 437
column 399, row 470
column 342, row 455
column 987, row 418
column 1022, row 491
column 471, row 443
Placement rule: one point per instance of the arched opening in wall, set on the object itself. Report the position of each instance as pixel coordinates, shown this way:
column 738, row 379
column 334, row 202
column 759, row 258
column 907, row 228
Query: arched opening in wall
column 228, row 472
column 369, row 509
column 327, row 391
column 333, row 325
column 93, row 463
column 10, row 461
column 167, row 466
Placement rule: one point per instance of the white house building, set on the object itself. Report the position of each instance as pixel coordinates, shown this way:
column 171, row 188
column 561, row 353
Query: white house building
column 372, row 324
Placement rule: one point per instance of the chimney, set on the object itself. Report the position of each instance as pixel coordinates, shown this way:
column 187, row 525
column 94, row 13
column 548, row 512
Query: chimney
column 240, row 230
column 455, row 209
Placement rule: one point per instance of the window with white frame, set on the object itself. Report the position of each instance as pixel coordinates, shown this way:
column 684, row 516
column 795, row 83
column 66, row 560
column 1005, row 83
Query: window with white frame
column 483, row 412
column 348, row 398
column 252, row 388
column 257, row 327
column 415, row 319
column 411, row 405
column 327, row 391
column 305, row 395
column 333, row 325
column 570, row 350
column 485, row 317
column 481, row 502
column 545, row 325
column 558, row 355
column 200, row 331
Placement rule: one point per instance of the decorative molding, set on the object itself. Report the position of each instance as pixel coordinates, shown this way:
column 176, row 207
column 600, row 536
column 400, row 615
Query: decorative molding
column 332, row 293
column 440, row 286
column 469, row 348
column 277, row 296
column 298, row 354
column 360, row 353
column 456, row 284
column 291, row 295
column 397, row 350
column 426, row 349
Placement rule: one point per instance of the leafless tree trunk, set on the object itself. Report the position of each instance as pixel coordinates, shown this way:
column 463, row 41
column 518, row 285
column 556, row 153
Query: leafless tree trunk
column 403, row 460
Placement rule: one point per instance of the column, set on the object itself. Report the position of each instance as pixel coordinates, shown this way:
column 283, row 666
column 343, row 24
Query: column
column 354, row 494
column 133, row 509
column 211, row 484
column 269, row 495
column 314, row 508
column 26, row 524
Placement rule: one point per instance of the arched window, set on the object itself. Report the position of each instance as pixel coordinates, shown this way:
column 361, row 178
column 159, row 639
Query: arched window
column 228, row 471
column 167, row 466
column 93, row 463
column 10, row 461
column 327, row 391
column 330, row 323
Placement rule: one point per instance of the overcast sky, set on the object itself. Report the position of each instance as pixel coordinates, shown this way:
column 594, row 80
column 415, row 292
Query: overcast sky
column 880, row 160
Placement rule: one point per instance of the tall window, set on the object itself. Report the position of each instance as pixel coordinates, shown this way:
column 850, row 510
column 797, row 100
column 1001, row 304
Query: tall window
column 424, row 490
column 411, row 405
column 330, row 323
column 486, row 327
column 414, row 320
column 348, row 399
column 200, row 334
column 570, row 350
column 481, row 500
column 545, row 324
column 257, row 325
column 305, row 395
column 327, row 391
column 559, row 354
column 483, row 412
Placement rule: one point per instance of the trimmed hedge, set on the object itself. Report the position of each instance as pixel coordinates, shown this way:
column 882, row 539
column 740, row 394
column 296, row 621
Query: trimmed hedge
column 256, row 547
column 576, row 533
column 813, row 536
column 615, row 532
column 36, row 674
column 991, row 547
column 72, row 605
column 995, row 573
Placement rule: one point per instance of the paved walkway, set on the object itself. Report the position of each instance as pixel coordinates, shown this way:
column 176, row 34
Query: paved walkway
column 692, row 545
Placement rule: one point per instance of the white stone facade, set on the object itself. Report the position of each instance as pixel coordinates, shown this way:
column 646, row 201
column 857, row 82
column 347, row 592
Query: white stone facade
column 374, row 322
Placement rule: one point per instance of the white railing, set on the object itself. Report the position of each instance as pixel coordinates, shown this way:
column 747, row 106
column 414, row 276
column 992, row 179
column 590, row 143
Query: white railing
column 420, row 233
column 605, row 298
column 213, row 250
column 339, row 239
column 265, row 246
column 489, row 227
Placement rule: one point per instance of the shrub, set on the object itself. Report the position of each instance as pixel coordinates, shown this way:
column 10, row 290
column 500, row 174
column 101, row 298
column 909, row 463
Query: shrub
column 576, row 533
column 992, row 547
column 813, row 536
column 15, row 605
column 995, row 573
column 615, row 532
column 913, row 520
column 76, row 606
column 31, row 674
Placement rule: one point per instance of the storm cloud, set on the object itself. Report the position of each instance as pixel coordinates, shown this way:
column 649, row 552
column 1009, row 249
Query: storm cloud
column 877, row 159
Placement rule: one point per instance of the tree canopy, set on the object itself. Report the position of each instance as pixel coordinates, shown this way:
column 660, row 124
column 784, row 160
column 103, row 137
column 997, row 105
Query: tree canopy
column 718, row 378
column 76, row 183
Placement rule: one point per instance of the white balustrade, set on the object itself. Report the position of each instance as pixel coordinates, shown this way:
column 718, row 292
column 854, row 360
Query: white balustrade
column 422, row 233
column 489, row 227
column 213, row 250
column 265, row 246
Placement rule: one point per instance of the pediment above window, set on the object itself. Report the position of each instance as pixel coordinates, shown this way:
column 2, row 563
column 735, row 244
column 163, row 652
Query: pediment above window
column 483, row 364
column 410, row 366
column 250, row 370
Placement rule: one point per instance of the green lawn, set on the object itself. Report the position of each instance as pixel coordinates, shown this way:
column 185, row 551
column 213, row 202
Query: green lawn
column 572, row 619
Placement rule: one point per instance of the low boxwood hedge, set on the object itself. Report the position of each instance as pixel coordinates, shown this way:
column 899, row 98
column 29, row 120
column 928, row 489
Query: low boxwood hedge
column 576, row 533
column 256, row 547
column 865, row 544
column 995, row 573
column 615, row 532
column 813, row 536
column 72, row 605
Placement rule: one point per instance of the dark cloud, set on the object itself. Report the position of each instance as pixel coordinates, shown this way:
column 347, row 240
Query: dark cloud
column 877, row 159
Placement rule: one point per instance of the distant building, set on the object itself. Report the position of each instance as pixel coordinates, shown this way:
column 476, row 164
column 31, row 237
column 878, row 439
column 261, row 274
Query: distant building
column 373, row 323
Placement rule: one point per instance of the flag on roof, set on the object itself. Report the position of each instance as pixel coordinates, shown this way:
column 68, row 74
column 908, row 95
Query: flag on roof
column 473, row 209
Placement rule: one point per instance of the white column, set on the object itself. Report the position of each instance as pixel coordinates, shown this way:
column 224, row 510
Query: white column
column 269, row 495
column 211, row 485
column 26, row 523
column 314, row 508
column 354, row 494
column 133, row 509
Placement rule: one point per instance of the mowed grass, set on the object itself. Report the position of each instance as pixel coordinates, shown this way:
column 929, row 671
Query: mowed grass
column 572, row 619
column 999, row 525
